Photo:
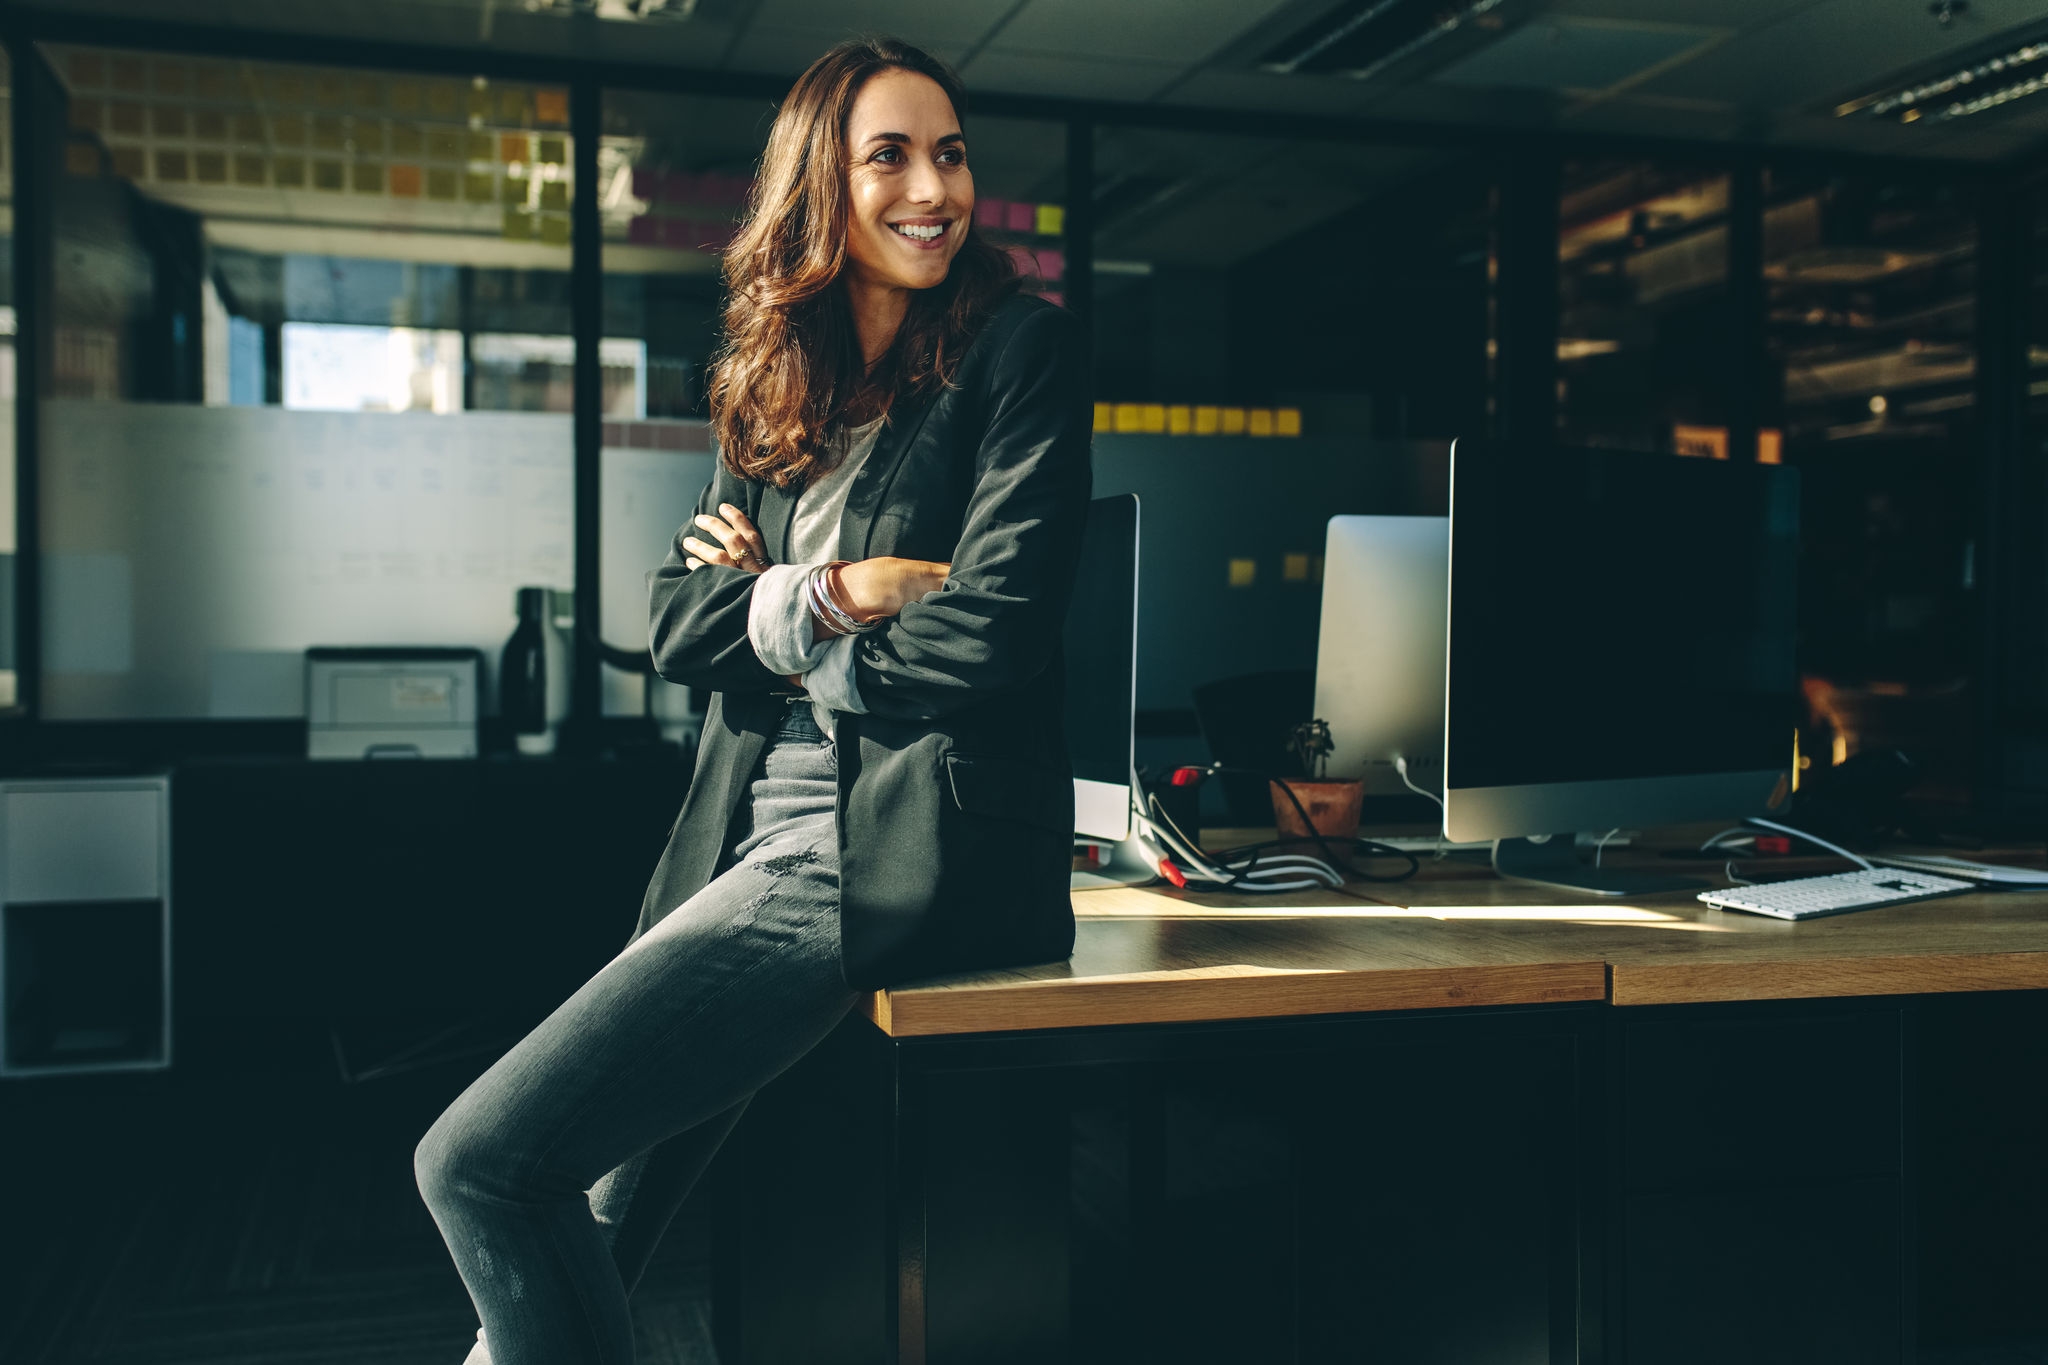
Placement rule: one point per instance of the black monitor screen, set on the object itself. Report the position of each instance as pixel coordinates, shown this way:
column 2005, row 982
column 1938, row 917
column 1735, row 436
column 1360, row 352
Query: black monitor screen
column 1101, row 628
column 1618, row 615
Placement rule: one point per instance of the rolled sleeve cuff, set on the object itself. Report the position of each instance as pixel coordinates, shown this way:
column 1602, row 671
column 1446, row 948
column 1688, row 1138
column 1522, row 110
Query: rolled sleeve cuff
column 779, row 621
column 830, row 681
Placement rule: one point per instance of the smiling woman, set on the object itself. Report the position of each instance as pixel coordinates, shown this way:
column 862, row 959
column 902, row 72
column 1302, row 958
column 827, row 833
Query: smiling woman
column 872, row 589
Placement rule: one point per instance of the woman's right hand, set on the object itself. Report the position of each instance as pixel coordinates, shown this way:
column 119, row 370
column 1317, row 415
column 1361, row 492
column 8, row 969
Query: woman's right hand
column 884, row 586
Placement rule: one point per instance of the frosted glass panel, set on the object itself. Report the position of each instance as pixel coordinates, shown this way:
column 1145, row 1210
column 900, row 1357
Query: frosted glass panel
column 647, row 496
column 193, row 553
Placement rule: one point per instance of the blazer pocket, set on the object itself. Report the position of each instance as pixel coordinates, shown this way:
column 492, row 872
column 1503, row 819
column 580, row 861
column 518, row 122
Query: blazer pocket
column 1005, row 789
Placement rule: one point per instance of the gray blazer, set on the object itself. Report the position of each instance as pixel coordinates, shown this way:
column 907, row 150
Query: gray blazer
column 956, row 802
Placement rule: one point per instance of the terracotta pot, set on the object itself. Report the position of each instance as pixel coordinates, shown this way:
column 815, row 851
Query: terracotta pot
column 1332, row 807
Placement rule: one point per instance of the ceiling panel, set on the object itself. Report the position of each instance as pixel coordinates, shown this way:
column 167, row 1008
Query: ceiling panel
column 956, row 23
column 787, row 51
column 1067, row 77
column 1721, row 13
column 1577, row 55
column 1214, row 89
column 1157, row 30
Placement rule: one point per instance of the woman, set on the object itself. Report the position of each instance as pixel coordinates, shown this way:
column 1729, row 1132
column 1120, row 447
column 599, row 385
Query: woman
column 873, row 588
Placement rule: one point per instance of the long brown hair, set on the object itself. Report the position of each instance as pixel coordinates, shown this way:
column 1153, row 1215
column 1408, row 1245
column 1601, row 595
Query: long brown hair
column 790, row 365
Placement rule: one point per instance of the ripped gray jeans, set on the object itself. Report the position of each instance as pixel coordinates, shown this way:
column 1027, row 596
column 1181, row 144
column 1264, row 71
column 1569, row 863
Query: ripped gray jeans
column 553, row 1176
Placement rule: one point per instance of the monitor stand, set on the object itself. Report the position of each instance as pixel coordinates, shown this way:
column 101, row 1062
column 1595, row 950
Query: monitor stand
column 1553, row 860
column 1128, row 865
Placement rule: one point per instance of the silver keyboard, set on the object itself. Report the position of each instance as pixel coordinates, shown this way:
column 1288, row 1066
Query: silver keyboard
column 1839, row 893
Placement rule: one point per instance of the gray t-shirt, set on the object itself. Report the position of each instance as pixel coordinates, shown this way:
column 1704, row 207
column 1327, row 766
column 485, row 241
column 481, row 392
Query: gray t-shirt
column 814, row 532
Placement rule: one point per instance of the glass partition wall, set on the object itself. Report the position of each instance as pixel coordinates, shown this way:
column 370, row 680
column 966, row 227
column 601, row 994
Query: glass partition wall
column 309, row 376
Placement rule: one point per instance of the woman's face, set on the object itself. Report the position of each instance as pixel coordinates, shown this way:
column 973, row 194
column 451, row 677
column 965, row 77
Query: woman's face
column 910, row 195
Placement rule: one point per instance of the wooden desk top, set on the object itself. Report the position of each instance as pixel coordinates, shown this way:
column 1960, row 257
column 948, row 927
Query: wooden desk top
column 1458, row 936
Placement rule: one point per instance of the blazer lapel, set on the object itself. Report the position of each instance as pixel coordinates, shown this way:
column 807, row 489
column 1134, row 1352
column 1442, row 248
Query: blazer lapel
column 871, row 485
column 775, row 515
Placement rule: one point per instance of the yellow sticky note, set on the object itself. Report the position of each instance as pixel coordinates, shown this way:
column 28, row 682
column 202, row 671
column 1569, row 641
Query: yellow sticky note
column 551, row 151
column 1152, row 418
column 554, row 229
column 1180, row 419
column 1287, row 421
column 514, row 190
column 1052, row 220
column 1102, row 416
column 551, row 106
column 1206, row 419
column 1294, row 568
column 479, row 188
column 1127, row 417
column 477, row 146
column 554, row 194
column 1260, row 420
column 1233, row 421
column 1243, row 572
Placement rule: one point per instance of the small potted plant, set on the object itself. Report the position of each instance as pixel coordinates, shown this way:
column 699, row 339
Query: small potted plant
column 1332, row 806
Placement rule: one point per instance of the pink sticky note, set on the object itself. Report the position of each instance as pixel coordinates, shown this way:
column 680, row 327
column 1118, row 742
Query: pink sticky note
column 1023, row 217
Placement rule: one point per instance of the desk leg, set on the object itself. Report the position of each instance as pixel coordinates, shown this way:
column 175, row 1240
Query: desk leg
column 979, row 1204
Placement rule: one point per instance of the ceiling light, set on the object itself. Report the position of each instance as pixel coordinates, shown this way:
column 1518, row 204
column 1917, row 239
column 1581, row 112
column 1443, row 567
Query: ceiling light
column 2010, row 74
column 627, row 10
column 1362, row 39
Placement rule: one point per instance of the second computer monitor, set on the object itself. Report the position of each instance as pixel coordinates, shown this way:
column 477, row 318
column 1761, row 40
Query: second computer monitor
column 1101, row 654
column 1380, row 653
column 1621, row 639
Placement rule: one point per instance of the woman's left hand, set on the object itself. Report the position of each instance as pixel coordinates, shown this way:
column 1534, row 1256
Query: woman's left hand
column 735, row 542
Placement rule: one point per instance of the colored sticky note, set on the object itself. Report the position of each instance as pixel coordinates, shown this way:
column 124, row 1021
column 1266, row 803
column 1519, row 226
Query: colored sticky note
column 1294, row 568
column 554, row 229
column 512, row 147
column 1287, row 421
column 518, row 225
column 1206, row 420
column 1180, row 419
column 1052, row 263
column 1022, row 217
column 369, row 177
column 1127, row 417
column 511, row 105
column 1233, row 421
column 991, row 213
column 479, row 187
column 551, row 106
column 1152, row 418
column 551, row 151
column 327, row 134
column 1102, row 416
column 554, row 194
column 444, row 144
column 1243, row 572
column 1052, row 220
column 442, row 182
column 513, row 191
column 477, row 146
column 1260, row 421
column 406, row 182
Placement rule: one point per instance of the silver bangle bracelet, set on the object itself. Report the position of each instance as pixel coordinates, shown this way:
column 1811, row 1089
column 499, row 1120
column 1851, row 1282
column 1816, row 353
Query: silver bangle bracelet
column 835, row 616
column 822, row 606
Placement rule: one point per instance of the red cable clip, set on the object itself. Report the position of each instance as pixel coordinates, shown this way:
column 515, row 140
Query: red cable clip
column 1188, row 777
column 1172, row 873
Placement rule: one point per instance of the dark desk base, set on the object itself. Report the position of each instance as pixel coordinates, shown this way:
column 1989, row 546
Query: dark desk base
column 1577, row 1183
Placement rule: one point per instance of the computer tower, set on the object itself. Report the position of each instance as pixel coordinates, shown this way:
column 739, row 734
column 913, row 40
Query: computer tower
column 85, row 925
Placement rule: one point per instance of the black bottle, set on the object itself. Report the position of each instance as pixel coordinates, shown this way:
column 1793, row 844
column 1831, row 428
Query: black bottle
column 523, row 669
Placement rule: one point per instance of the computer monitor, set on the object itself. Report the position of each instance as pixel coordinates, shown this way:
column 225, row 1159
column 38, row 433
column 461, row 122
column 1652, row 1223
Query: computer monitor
column 1621, row 647
column 1101, row 650
column 1380, row 652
